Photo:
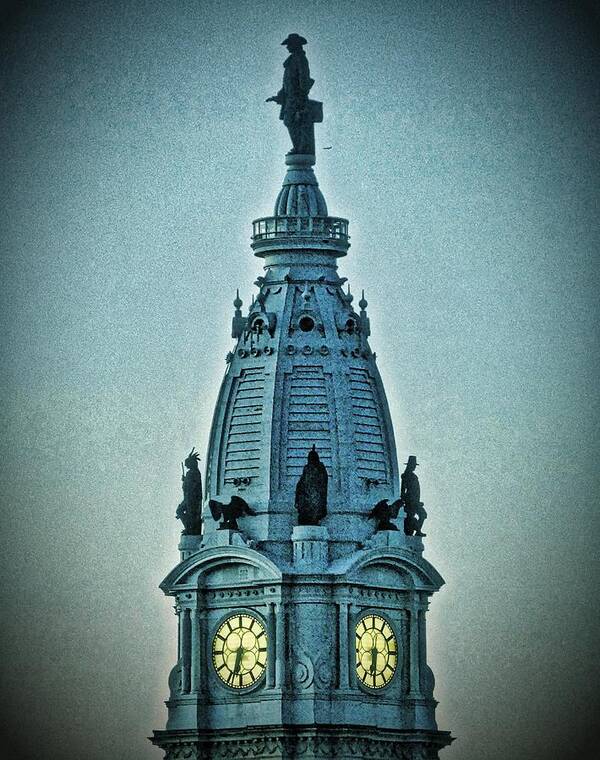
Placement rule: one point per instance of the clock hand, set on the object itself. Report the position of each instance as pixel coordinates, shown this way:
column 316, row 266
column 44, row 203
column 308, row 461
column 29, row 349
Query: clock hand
column 238, row 659
column 373, row 660
column 373, row 667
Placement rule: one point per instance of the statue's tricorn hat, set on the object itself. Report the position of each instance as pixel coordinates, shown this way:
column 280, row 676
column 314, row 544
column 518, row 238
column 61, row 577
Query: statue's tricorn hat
column 412, row 460
column 291, row 38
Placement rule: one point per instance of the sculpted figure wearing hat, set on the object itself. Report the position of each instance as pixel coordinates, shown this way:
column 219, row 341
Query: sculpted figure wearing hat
column 410, row 495
column 298, row 113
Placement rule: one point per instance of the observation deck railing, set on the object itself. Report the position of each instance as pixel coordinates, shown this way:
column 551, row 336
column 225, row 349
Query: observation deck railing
column 323, row 227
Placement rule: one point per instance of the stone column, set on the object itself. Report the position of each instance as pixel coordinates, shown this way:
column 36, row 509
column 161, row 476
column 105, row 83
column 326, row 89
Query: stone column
column 352, row 656
column 413, row 640
column 311, row 548
column 203, row 649
column 272, row 652
column 185, row 642
column 344, row 654
column 194, row 650
column 422, row 640
column 280, row 645
column 203, row 662
column 179, row 629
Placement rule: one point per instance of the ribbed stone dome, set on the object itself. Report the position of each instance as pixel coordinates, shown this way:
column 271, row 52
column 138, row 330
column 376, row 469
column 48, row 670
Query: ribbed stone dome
column 300, row 194
column 302, row 374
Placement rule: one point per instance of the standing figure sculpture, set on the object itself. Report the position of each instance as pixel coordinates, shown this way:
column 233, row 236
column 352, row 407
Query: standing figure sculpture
column 311, row 491
column 410, row 494
column 298, row 113
column 190, row 509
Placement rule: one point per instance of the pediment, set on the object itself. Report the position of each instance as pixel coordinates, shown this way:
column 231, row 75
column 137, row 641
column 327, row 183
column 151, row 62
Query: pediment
column 221, row 566
column 394, row 568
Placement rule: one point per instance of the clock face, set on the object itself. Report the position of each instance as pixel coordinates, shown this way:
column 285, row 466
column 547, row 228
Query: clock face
column 376, row 651
column 239, row 651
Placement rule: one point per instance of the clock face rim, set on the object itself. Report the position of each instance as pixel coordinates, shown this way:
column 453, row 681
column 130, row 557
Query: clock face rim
column 214, row 652
column 393, row 640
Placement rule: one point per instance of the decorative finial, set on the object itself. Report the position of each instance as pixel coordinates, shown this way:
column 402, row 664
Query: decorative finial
column 238, row 323
column 365, row 325
column 349, row 296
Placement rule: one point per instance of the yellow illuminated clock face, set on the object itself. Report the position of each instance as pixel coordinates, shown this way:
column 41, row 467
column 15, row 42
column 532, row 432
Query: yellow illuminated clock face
column 376, row 651
column 239, row 651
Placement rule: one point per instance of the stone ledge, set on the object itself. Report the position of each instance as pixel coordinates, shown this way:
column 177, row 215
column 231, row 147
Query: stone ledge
column 287, row 742
column 396, row 539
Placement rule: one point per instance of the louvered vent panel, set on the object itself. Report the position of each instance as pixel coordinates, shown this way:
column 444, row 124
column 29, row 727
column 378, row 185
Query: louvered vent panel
column 242, row 454
column 308, row 418
column 368, row 431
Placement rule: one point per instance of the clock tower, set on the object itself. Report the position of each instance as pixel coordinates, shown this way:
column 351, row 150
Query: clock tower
column 302, row 590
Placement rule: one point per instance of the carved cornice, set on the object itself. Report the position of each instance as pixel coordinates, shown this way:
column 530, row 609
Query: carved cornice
column 312, row 743
column 378, row 594
column 227, row 594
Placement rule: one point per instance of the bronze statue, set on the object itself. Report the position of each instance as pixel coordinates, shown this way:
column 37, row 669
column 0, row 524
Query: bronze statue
column 298, row 113
column 311, row 491
column 384, row 512
column 237, row 507
column 190, row 509
column 410, row 495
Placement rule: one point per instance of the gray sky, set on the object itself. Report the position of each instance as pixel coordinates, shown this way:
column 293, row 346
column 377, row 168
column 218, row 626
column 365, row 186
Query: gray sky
column 136, row 151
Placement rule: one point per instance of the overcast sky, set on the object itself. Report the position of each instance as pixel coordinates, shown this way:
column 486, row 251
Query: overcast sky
column 137, row 149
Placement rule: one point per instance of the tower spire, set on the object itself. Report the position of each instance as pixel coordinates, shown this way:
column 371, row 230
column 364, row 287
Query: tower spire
column 302, row 603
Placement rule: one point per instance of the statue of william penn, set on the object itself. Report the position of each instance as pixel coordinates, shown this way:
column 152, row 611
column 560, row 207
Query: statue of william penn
column 298, row 113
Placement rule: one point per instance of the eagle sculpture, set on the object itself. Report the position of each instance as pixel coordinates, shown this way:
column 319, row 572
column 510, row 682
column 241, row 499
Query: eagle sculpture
column 384, row 512
column 229, row 513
